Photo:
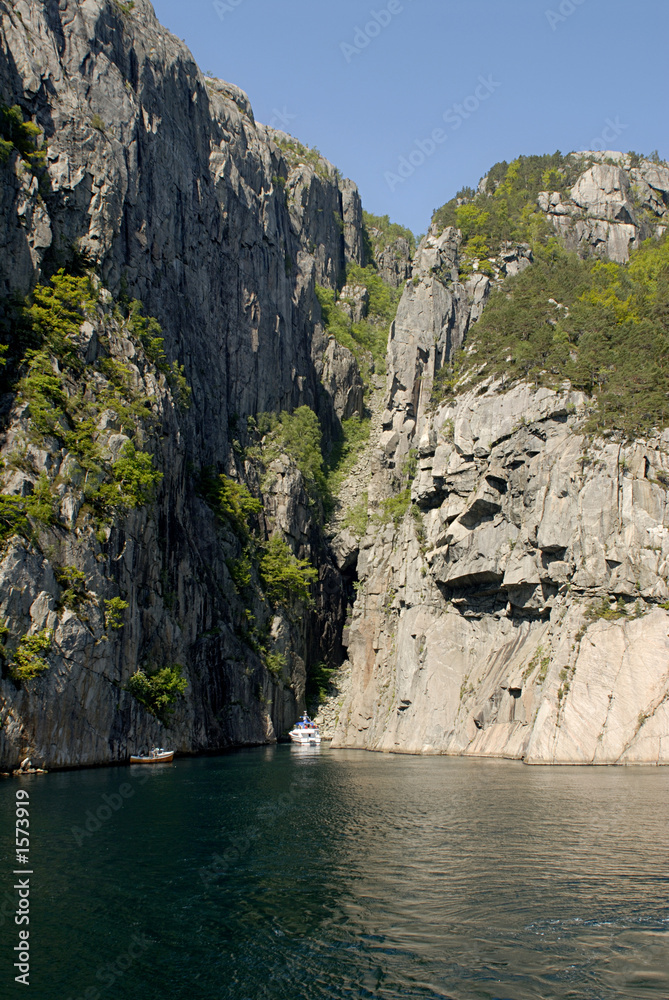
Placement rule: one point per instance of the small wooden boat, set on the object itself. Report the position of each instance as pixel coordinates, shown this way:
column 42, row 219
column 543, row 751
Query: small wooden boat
column 155, row 756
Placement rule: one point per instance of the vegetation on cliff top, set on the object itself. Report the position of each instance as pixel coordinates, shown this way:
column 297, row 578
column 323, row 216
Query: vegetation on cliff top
column 378, row 233
column 602, row 326
column 296, row 152
column 505, row 209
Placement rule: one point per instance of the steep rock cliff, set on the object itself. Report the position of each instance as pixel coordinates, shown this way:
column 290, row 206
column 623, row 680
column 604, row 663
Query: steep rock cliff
column 486, row 622
column 513, row 596
column 163, row 183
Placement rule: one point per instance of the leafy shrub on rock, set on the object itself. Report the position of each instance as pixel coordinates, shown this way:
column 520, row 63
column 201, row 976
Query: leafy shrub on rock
column 134, row 484
column 114, row 608
column 57, row 312
column 73, row 582
column 286, row 579
column 18, row 515
column 28, row 662
column 235, row 504
column 17, row 134
column 158, row 692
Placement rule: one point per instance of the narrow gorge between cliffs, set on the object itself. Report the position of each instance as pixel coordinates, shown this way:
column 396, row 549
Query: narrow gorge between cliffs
column 263, row 451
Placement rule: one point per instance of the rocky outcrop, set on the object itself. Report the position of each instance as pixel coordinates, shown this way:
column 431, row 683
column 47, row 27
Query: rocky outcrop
column 388, row 251
column 613, row 206
column 393, row 262
column 532, row 581
column 431, row 323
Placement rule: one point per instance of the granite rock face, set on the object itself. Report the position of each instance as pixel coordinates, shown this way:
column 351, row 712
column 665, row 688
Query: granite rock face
column 164, row 182
column 520, row 609
column 613, row 206
column 520, row 614
column 394, row 262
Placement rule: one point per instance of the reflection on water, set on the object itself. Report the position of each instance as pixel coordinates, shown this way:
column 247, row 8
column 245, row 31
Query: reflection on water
column 295, row 872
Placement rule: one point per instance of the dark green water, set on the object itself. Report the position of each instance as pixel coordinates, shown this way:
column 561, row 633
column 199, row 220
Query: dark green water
column 295, row 873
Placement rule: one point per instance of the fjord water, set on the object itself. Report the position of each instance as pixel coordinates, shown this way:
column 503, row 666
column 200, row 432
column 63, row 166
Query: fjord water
column 292, row 872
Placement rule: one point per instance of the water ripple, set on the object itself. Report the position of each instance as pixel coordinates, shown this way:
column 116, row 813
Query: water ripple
column 269, row 875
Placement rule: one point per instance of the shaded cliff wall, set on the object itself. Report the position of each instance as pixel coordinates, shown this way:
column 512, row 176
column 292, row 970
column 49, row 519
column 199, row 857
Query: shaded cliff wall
column 163, row 183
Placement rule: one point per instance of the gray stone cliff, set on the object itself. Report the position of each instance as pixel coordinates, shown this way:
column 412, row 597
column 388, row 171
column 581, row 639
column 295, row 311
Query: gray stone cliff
column 520, row 610
column 613, row 206
column 164, row 183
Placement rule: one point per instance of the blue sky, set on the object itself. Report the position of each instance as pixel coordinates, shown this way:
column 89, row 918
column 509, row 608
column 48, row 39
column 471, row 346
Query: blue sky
column 414, row 99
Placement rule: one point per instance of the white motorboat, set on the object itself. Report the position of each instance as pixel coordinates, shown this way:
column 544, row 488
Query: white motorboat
column 155, row 756
column 305, row 732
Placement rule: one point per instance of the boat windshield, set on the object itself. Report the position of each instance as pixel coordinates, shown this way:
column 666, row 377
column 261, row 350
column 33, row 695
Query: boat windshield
column 305, row 723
